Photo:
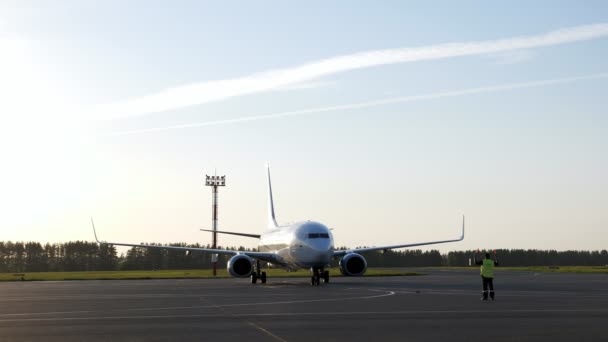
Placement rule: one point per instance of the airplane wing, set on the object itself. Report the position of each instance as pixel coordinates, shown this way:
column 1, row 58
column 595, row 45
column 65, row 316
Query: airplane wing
column 269, row 257
column 383, row 248
column 257, row 236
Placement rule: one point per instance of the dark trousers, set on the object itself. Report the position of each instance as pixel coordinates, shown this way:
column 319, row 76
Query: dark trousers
column 488, row 282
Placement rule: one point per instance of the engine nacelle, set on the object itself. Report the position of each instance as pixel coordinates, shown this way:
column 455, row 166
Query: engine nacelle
column 353, row 264
column 240, row 266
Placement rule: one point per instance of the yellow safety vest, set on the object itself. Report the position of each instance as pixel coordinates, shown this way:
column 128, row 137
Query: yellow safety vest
column 487, row 268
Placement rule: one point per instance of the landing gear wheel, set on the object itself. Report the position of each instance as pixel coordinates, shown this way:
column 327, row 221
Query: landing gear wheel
column 263, row 278
column 254, row 278
column 316, row 277
column 326, row 277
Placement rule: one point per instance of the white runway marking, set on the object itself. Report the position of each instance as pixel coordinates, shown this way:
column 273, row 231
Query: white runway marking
column 295, row 314
column 507, row 293
column 89, row 297
column 385, row 294
column 46, row 313
column 266, row 332
column 426, row 312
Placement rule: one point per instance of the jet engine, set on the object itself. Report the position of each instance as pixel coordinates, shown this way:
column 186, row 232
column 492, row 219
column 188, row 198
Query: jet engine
column 240, row 266
column 353, row 264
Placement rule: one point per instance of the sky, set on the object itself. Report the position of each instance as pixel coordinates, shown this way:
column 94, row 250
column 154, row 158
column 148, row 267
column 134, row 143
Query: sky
column 386, row 121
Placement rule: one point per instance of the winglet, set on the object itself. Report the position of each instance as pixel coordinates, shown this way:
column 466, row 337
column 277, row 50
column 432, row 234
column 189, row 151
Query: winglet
column 94, row 232
column 462, row 236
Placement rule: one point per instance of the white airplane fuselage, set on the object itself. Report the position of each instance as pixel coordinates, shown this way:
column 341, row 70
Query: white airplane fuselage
column 300, row 245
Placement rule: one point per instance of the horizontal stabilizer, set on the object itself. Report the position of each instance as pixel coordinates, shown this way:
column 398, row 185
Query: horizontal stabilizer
column 257, row 236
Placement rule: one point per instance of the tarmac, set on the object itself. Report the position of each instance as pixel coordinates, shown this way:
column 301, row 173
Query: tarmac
column 443, row 305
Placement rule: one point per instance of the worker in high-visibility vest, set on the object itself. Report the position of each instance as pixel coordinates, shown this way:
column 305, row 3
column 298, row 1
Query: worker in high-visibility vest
column 487, row 274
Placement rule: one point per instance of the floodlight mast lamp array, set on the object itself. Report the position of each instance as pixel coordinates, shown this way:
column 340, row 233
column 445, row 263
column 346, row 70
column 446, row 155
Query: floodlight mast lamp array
column 214, row 182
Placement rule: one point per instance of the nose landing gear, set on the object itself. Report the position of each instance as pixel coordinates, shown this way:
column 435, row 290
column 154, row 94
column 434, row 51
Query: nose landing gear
column 317, row 275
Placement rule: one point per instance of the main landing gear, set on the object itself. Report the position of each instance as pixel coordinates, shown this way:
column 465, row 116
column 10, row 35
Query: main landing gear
column 317, row 275
column 257, row 274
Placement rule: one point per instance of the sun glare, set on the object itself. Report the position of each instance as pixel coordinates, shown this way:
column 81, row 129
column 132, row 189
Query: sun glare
column 40, row 141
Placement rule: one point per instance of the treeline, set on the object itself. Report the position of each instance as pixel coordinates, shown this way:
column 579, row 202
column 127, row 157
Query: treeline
column 18, row 257
column 138, row 258
column 534, row 257
column 402, row 258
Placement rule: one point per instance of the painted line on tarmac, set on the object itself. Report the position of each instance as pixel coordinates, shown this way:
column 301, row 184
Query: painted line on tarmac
column 385, row 294
column 426, row 312
column 505, row 293
column 46, row 313
column 268, row 333
column 292, row 314
column 92, row 296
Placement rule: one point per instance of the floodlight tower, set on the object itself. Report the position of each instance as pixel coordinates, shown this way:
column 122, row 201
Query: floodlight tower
column 214, row 182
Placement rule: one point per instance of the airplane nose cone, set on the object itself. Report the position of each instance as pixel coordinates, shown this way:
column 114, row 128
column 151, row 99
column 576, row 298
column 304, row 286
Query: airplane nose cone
column 320, row 252
column 319, row 245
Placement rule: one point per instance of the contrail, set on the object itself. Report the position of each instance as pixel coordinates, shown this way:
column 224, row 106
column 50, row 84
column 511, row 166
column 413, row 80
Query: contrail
column 203, row 92
column 400, row 99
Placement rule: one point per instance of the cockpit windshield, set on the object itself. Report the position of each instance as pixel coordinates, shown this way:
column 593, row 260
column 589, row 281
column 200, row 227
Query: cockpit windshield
column 318, row 236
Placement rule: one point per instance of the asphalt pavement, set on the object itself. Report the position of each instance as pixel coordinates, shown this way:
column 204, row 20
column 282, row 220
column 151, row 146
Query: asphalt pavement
column 443, row 305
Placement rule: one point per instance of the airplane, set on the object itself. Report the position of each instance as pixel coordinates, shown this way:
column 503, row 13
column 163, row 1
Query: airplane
column 305, row 244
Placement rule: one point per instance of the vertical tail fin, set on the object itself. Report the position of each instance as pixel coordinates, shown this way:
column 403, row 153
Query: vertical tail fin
column 272, row 222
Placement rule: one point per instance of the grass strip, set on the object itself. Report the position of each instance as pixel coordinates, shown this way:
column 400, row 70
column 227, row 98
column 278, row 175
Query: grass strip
column 177, row 274
column 547, row 269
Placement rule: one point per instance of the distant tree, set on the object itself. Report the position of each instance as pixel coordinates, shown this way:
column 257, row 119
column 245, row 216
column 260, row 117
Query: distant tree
column 4, row 257
column 106, row 258
column 18, row 264
column 35, row 258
